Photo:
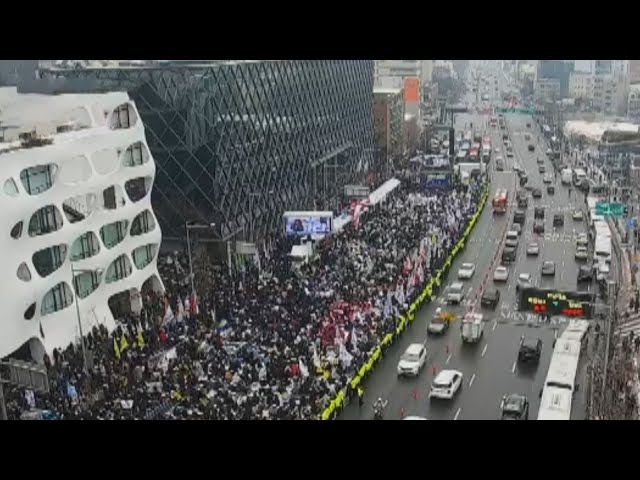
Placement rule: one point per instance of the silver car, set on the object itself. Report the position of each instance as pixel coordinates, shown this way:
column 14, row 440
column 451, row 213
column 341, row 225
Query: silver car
column 533, row 249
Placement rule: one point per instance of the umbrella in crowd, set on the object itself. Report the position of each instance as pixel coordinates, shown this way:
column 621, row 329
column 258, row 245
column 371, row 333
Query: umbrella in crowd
column 278, row 344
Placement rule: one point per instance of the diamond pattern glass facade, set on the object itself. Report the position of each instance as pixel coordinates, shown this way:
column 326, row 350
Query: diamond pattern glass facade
column 237, row 144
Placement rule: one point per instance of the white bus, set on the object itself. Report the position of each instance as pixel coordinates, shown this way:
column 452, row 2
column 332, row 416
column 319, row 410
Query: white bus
column 567, row 176
column 602, row 250
column 555, row 404
column 578, row 176
column 591, row 205
column 559, row 386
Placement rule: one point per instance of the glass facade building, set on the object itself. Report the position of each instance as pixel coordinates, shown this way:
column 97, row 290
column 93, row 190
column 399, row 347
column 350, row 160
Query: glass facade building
column 238, row 143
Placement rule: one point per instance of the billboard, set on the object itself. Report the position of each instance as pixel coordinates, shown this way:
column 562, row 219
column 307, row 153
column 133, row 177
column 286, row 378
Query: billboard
column 299, row 224
column 555, row 302
column 356, row 191
column 436, row 180
column 411, row 90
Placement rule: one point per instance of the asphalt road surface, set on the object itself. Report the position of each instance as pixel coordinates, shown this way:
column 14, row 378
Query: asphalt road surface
column 489, row 367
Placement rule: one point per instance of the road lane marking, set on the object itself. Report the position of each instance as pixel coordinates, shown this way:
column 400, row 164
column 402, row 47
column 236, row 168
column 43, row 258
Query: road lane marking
column 513, row 367
column 473, row 377
column 495, row 324
column 484, row 350
column 457, row 414
column 448, row 358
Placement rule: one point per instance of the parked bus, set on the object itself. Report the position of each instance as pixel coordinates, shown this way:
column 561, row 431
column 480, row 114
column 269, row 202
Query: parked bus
column 500, row 201
column 559, row 386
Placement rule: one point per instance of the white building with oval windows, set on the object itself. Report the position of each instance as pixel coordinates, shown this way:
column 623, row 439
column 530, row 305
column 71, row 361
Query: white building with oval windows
column 76, row 213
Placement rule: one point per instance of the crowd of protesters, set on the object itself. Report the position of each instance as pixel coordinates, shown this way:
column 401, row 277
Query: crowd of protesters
column 275, row 341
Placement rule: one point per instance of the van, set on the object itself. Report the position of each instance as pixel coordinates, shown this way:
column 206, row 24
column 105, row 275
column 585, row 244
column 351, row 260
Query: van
column 472, row 327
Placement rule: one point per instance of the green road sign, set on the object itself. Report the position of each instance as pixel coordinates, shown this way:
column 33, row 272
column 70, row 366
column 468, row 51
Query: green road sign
column 609, row 209
column 523, row 111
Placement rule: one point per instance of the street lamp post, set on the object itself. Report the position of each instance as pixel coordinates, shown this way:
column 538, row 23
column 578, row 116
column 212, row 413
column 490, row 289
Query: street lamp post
column 192, row 227
column 77, row 302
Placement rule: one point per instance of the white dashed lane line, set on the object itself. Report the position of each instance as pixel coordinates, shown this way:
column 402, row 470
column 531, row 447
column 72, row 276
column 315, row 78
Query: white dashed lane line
column 513, row 367
column 484, row 350
column 473, row 377
column 448, row 358
column 457, row 414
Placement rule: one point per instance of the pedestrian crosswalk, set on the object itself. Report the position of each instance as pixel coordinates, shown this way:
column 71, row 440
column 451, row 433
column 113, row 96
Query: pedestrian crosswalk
column 630, row 325
column 508, row 314
column 556, row 237
column 466, row 302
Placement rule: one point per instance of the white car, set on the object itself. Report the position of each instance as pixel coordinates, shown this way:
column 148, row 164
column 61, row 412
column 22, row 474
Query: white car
column 582, row 253
column 466, row 270
column 414, row 417
column 455, row 293
column 500, row 274
column 577, row 216
column 533, row 248
column 446, row 384
column 412, row 360
column 496, row 150
column 524, row 281
column 582, row 240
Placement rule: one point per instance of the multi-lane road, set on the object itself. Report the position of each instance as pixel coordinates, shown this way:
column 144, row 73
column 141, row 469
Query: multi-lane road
column 489, row 367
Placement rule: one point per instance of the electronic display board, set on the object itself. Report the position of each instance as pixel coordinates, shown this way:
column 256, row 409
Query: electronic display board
column 555, row 302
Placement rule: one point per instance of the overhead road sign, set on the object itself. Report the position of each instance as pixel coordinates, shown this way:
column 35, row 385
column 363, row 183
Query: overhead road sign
column 610, row 209
column 522, row 111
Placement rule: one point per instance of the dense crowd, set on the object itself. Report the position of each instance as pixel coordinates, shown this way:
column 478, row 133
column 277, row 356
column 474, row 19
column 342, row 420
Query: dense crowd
column 278, row 344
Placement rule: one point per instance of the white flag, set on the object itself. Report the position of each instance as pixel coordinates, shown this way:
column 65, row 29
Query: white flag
column 316, row 358
column 303, row 369
column 168, row 313
column 344, row 356
column 180, row 309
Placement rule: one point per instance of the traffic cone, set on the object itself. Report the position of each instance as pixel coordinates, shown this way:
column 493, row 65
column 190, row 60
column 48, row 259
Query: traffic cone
column 433, row 368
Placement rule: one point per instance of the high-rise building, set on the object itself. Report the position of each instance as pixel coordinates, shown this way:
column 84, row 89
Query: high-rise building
column 556, row 70
column 634, row 71
column 603, row 67
column 237, row 143
column 398, row 69
column 388, row 113
column 633, row 102
column 76, row 209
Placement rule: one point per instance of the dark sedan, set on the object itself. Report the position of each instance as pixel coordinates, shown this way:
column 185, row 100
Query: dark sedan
column 490, row 298
column 514, row 407
column 536, row 193
column 538, row 226
column 548, row 269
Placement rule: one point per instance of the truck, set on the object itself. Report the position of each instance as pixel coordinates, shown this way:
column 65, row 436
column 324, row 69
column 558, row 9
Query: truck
column 472, row 327
column 499, row 202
